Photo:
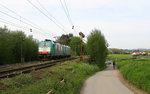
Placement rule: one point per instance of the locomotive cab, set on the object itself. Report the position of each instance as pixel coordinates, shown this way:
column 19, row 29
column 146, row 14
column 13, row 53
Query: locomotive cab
column 49, row 49
column 46, row 49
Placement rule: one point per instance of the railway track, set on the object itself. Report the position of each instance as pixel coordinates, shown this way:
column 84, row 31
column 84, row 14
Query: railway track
column 13, row 72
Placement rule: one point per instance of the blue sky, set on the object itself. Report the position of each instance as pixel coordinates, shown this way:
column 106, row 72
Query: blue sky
column 125, row 23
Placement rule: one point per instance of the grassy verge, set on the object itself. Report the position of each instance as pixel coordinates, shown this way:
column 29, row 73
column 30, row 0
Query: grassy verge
column 135, row 70
column 65, row 78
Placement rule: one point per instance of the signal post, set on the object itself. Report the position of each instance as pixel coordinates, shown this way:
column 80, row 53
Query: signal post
column 81, row 45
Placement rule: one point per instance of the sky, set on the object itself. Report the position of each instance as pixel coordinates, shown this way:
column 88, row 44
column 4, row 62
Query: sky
column 124, row 23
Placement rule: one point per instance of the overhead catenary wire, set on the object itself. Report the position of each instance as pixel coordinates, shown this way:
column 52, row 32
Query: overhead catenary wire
column 18, row 26
column 35, row 26
column 66, row 10
column 13, row 24
column 18, row 15
column 27, row 22
column 21, row 21
column 69, row 17
column 46, row 15
column 18, row 20
column 51, row 14
column 39, row 29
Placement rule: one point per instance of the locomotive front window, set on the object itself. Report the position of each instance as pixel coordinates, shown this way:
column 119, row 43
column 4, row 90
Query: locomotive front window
column 44, row 45
column 40, row 44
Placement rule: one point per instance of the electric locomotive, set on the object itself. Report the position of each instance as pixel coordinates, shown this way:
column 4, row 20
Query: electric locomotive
column 49, row 49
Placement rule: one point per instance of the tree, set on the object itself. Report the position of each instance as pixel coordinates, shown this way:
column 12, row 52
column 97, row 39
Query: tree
column 97, row 47
column 75, row 45
column 10, row 46
column 64, row 39
column 117, row 51
column 30, row 46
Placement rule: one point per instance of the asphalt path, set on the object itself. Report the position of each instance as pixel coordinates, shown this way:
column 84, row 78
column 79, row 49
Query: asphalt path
column 105, row 82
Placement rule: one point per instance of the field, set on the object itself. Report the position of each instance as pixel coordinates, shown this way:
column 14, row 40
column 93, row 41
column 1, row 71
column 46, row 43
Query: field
column 135, row 70
column 64, row 78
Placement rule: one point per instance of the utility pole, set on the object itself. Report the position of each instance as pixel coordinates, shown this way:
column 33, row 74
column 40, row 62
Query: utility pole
column 21, row 50
column 81, row 45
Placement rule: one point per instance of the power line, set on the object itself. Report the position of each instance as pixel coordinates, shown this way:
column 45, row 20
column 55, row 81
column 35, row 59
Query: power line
column 18, row 14
column 13, row 24
column 39, row 28
column 23, row 21
column 65, row 11
column 46, row 15
column 19, row 20
column 49, row 13
column 65, row 8
column 53, row 16
column 27, row 19
column 68, row 12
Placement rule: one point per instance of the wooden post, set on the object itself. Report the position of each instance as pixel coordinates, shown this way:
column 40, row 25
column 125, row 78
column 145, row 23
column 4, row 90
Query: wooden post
column 21, row 50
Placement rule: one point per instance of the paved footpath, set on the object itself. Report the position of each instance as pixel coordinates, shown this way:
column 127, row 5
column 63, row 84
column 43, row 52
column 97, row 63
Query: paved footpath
column 105, row 82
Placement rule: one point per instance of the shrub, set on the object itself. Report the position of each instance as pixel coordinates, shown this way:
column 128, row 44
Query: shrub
column 10, row 46
column 97, row 47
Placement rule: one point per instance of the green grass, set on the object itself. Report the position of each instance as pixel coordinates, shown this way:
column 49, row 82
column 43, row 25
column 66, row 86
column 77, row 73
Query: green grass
column 65, row 78
column 135, row 70
column 119, row 57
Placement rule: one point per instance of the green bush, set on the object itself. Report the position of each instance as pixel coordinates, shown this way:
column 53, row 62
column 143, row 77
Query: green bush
column 10, row 46
column 97, row 47
column 75, row 45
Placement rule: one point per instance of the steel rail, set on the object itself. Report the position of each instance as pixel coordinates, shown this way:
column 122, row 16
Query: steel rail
column 13, row 72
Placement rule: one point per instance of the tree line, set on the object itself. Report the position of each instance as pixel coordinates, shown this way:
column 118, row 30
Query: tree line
column 96, row 46
column 15, row 44
column 11, row 44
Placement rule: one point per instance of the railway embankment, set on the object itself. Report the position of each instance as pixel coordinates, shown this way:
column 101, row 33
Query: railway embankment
column 12, row 71
column 63, row 78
